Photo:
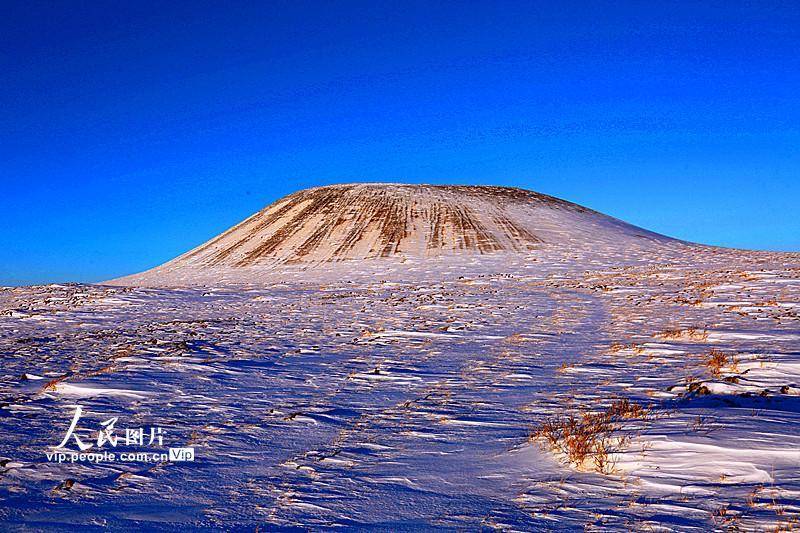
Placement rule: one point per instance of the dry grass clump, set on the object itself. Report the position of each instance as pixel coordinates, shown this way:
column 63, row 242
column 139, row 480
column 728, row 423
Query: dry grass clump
column 691, row 334
column 716, row 361
column 636, row 348
column 589, row 440
column 564, row 367
column 767, row 303
column 53, row 383
column 516, row 338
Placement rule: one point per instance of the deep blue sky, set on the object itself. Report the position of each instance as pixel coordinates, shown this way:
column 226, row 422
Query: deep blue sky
column 131, row 132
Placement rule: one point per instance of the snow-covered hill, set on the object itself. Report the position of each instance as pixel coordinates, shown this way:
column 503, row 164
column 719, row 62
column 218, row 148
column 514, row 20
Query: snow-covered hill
column 377, row 226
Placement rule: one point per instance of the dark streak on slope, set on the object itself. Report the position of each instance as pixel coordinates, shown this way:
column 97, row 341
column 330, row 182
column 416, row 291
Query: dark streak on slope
column 321, row 202
column 265, row 222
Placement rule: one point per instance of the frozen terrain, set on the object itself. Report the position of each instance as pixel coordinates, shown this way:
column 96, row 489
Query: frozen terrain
column 341, row 229
column 449, row 387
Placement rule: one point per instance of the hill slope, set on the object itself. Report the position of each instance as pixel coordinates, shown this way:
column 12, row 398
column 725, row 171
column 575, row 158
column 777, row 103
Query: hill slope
column 316, row 227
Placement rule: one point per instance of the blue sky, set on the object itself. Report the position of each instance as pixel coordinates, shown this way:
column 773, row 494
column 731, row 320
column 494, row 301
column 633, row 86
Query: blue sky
column 133, row 131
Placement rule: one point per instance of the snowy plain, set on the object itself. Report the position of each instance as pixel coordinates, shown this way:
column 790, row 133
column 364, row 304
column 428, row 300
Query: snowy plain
column 408, row 397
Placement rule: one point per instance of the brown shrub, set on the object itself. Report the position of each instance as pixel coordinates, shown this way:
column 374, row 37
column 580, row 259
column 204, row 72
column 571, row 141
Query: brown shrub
column 716, row 361
column 590, row 436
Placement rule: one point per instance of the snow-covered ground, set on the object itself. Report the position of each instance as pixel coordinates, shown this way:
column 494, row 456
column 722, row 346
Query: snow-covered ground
column 407, row 397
